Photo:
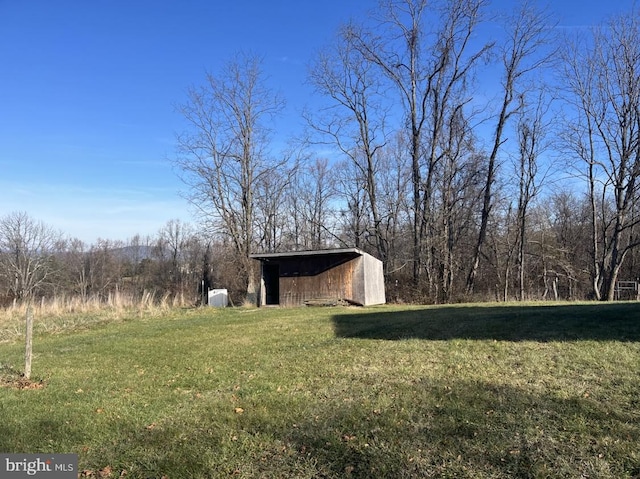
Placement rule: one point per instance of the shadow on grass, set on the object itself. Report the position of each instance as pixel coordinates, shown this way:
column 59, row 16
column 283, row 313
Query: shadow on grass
column 475, row 430
column 597, row 321
column 30, row 435
column 432, row 428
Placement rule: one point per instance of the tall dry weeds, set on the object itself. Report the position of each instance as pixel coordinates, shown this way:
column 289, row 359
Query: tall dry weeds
column 62, row 313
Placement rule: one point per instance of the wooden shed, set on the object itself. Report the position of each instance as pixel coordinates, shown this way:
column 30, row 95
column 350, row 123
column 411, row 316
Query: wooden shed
column 306, row 277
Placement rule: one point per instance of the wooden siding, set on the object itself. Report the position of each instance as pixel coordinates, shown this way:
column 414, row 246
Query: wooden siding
column 320, row 277
column 334, row 283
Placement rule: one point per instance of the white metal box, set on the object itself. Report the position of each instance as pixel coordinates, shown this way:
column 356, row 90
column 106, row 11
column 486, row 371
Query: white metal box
column 218, row 298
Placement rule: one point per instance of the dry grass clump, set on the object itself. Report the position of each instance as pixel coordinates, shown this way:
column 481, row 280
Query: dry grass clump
column 62, row 313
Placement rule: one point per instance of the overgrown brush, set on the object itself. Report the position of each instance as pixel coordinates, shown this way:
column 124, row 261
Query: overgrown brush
column 61, row 313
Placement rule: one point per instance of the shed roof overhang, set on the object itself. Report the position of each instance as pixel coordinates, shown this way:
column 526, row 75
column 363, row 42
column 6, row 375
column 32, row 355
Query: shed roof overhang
column 297, row 254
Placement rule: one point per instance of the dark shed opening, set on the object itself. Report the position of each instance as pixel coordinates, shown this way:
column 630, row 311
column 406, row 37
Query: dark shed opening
column 302, row 277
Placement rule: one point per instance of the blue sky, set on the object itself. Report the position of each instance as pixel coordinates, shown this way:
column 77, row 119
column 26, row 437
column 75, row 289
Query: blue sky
column 88, row 89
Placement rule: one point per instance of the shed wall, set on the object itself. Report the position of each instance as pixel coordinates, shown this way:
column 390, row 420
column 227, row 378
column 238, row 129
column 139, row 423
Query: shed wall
column 335, row 283
column 374, row 285
column 350, row 274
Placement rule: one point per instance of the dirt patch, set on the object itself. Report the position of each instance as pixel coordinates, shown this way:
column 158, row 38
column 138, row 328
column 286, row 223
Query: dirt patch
column 10, row 378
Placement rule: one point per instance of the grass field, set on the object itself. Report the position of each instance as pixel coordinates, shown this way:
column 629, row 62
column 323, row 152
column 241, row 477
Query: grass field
column 477, row 391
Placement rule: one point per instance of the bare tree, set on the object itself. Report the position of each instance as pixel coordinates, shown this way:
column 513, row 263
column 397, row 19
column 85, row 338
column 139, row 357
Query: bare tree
column 105, row 268
column 27, row 250
column 174, row 237
column 458, row 192
column 394, row 191
column 310, row 196
column 77, row 269
column 531, row 130
column 354, row 212
column 528, row 33
column 603, row 83
column 430, row 65
column 354, row 121
column 272, row 214
column 224, row 154
column 571, row 225
column 504, row 244
column 579, row 73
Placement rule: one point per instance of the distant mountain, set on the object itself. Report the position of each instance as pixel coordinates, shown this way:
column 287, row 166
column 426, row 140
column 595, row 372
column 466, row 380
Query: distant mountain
column 134, row 253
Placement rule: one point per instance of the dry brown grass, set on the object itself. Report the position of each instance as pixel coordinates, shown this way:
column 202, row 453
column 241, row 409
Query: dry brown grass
column 73, row 312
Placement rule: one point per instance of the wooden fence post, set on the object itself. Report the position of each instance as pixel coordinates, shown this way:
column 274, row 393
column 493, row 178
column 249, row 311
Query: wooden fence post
column 29, row 343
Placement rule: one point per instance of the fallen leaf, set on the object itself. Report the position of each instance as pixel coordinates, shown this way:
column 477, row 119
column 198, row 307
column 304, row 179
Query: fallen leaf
column 105, row 471
column 238, row 410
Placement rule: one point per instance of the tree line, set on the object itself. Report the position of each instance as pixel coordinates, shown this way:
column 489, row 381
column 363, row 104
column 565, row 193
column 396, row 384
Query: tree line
column 478, row 155
column 177, row 264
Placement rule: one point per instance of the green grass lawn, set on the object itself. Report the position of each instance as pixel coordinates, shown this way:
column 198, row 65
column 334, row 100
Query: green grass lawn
column 478, row 391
